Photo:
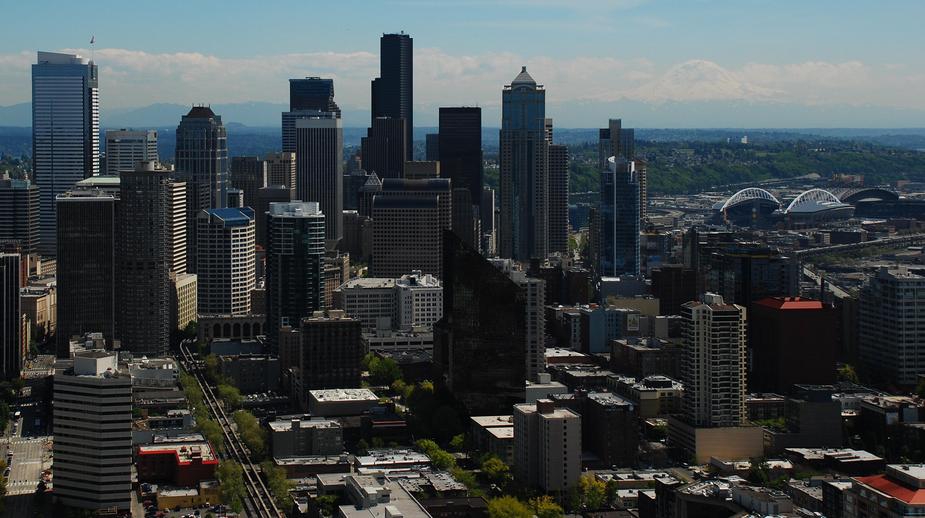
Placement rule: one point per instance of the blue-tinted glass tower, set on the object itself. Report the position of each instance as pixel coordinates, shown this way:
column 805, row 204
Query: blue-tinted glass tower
column 619, row 216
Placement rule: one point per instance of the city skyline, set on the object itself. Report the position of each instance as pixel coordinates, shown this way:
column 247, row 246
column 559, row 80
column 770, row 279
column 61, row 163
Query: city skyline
column 671, row 60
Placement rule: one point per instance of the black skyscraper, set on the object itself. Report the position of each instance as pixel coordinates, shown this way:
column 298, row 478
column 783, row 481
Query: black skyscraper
column 460, row 149
column 393, row 90
column 312, row 93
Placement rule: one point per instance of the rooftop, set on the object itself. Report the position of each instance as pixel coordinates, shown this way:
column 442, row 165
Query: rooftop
column 491, row 421
column 282, row 425
column 233, row 216
column 785, row 303
column 369, row 283
column 184, row 453
column 345, row 394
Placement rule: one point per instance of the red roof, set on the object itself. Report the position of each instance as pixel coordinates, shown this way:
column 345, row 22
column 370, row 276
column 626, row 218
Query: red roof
column 790, row 303
column 894, row 489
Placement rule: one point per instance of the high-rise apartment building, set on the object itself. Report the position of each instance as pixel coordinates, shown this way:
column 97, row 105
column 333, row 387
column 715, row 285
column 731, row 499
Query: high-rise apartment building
column 248, row 173
column 93, row 432
column 11, row 342
column 225, row 249
column 619, row 220
column 491, row 336
column 713, row 362
column 320, row 170
column 393, row 91
column 65, row 131
column 177, row 232
column 295, row 264
column 523, row 174
column 557, row 214
column 331, row 351
column 891, row 341
column 202, row 162
column 144, row 257
column 281, row 170
column 19, row 214
column 547, row 446
column 308, row 97
column 383, row 150
column 86, row 265
column 124, row 148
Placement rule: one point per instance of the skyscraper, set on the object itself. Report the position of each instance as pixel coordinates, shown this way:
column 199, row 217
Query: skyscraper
column 225, row 247
column 320, row 170
column 547, row 446
column 487, row 217
column 249, row 174
column 523, row 177
column 558, row 198
column 65, row 131
column 144, row 258
column 309, row 97
column 619, row 219
column 19, row 214
column 460, row 154
column 86, row 242
column 201, row 161
column 281, row 170
column 295, row 264
column 11, row 345
column 124, row 148
column 891, row 338
column 406, row 235
column 393, row 90
column 383, row 151
column 177, row 232
column 93, row 432
column 615, row 140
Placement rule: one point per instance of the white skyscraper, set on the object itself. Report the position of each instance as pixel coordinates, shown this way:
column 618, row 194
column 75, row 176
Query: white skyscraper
column 125, row 148
column 225, row 252
column 65, row 131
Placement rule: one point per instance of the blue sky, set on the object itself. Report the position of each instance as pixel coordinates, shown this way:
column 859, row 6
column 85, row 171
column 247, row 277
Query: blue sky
column 812, row 53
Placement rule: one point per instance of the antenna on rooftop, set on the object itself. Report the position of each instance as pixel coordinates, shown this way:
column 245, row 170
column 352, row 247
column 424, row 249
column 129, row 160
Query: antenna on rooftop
column 92, row 42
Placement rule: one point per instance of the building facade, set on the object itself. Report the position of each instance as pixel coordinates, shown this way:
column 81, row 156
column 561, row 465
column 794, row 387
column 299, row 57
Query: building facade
column 320, row 170
column 523, row 174
column 281, row 170
column 225, row 249
column 619, row 220
column 406, row 235
column 124, row 148
column 383, row 150
column 11, row 332
column 547, row 446
column 331, row 351
column 93, row 432
column 558, row 226
column 65, row 132
column 891, row 338
column 19, row 214
column 295, row 264
column 248, row 174
column 393, row 91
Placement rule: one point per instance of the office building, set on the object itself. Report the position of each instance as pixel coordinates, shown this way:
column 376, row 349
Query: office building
column 460, row 152
column 487, row 221
column 201, row 161
column 558, row 226
column 225, row 249
column 331, row 351
column 422, row 169
column 65, row 132
column 176, row 238
column 11, row 328
column 370, row 188
column 19, row 214
column 86, row 265
column 406, row 235
column 393, row 91
column 309, row 97
column 248, row 173
column 320, row 170
column 432, row 146
column 891, row 338
column 523, row 172
column 281, row 170
column 791, row 341
column 673, row 285
column 547, row 446
column 491, row 338
column 615, row 140
column 184, row 303
column 410, row 301
column 714, row 378
column 143, row 258
column 124, row 148
column 40, row 306
column 93, row 432
column 619, row 220
column 295, row 264
column 383, row 150
column 265, row 197
column 301, row 437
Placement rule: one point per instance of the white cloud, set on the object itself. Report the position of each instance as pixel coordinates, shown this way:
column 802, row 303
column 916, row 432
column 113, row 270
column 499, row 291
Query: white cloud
column 135, row 78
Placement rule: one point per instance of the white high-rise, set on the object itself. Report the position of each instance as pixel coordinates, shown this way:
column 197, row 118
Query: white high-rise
column 65, row 132
column 125, row 148
column 547, row 446
column 891, row 341
column 93, row 432
column 225, row 256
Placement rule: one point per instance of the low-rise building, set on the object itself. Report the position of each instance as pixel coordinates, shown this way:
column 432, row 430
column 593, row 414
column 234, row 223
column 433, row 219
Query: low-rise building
column 183, row 464
column 642, row 357
column 377, row 496
column 897, row 493
column 842, row 460
column 298, row 436
column 494, row 434
column 341, row 402
column 653, row 395
column 251, row 374
column 387, row 460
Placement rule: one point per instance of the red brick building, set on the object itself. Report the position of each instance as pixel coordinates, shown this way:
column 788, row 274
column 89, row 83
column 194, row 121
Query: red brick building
column 180, row 464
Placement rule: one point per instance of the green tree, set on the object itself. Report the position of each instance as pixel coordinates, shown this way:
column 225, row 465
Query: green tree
column 496, row 471
column 847, row 373
column 231, row 396
column 384, row 371
column 593, row 492
column 211, row 364
column 231, row 480
column 326, row 504
column 508, row 507
column 440, row 458
column 211, row 430
column 277, row 483
column 458, row 442
column 545, row 507
column 253, row 435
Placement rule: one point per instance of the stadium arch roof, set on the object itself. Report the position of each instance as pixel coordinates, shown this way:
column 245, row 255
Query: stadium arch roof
column 856, row 194
column 749, row 194
column 814, row 200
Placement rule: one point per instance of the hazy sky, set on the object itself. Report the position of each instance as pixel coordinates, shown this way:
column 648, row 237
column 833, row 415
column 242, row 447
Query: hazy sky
column 809, row 52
